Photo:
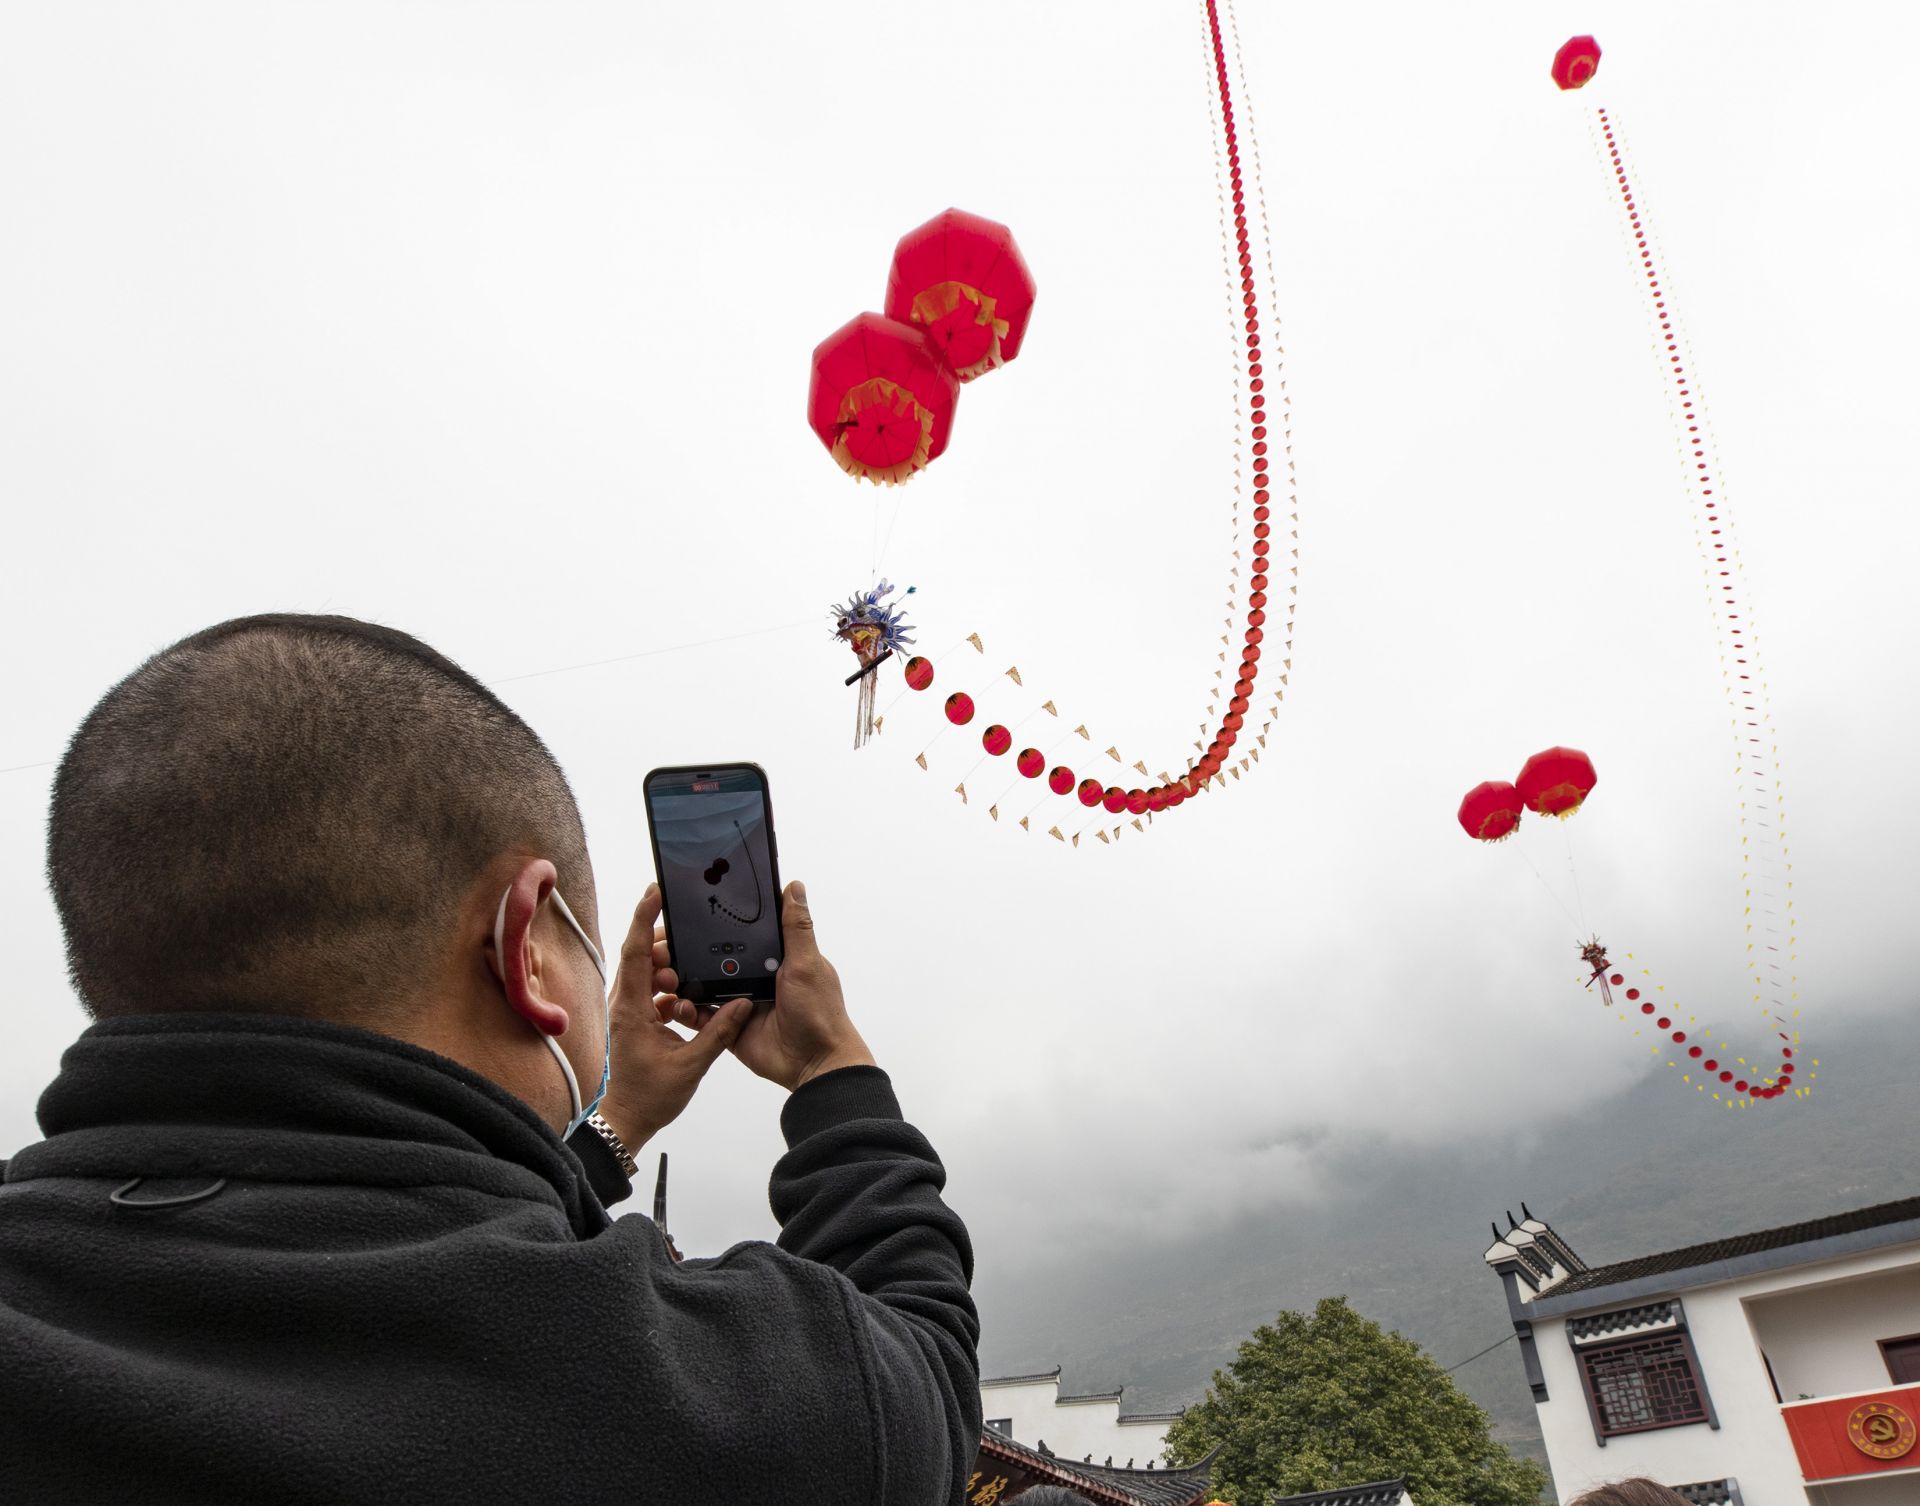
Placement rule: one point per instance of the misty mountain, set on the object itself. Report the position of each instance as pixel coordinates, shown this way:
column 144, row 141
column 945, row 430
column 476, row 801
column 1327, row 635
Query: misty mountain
column 1652, row 1169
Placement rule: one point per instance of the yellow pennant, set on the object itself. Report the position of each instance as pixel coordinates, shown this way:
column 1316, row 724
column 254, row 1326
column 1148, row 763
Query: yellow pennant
column 974, row 639
column 1013, row 674
column 994, row 811
column 1142, row 768
column 1023, row 824
column 921, row 759
column 879, row 722
column 1081, row 731
column 1136, row 824
column 1076, row 839
column 1047, row 706
column 1114, row 754
column 961, row 790
column 1054, row 832
column 1101, row 835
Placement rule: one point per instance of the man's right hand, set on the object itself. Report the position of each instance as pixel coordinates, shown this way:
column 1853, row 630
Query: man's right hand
column 807, row 1031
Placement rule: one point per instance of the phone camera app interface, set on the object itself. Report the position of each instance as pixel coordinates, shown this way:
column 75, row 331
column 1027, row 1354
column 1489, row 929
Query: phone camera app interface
column 717, row 870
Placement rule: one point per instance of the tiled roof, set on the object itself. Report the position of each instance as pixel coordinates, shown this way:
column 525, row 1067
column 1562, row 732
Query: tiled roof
column 1379, row 1493
column 1719, row 1250
column 1111, row 1485
column 1021, row 1380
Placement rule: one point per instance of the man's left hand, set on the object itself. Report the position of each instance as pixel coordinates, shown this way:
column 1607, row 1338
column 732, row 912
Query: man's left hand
column 655, row 1068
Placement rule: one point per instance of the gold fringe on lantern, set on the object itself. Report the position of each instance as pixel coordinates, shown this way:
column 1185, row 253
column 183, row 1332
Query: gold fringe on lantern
column 867, row 394
column 935, row 303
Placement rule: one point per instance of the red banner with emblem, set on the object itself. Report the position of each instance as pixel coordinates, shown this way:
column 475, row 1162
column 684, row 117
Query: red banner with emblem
column 1870, row 1433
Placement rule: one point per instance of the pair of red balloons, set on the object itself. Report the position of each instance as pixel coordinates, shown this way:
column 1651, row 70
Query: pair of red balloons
column 1553, row 783
column 885, row 386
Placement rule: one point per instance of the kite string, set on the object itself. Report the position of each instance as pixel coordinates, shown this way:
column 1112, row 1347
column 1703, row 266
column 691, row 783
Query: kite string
column 1574, row 869
column 651, row 653
column 563, row 669
column 1552, row 893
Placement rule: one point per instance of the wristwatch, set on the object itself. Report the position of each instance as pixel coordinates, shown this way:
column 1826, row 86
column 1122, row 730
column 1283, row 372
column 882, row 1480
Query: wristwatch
column 614, row 1143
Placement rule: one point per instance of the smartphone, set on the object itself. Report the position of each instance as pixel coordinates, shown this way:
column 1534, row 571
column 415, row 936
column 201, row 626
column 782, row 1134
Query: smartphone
column 713, row 849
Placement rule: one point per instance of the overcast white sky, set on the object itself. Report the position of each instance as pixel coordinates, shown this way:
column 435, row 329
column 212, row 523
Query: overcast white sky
column 492, row 322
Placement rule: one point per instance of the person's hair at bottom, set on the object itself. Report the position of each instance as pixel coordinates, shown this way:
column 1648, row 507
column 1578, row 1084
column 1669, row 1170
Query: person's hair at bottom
column 1640, row 1492
column 1050, row 1495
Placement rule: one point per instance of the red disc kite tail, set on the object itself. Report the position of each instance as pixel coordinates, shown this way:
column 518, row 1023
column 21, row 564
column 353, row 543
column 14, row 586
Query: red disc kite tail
column 1705, row 1059
column 1771, row 941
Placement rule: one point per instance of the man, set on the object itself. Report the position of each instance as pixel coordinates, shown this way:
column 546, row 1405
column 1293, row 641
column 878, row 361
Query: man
column 304, row 1228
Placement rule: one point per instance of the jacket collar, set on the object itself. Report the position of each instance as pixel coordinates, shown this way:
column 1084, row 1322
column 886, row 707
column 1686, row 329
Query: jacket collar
column 272, row 1098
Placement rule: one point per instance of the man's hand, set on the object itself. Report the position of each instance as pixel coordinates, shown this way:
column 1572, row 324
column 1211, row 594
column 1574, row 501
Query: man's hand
column 655, row 1067
column 807, row 1031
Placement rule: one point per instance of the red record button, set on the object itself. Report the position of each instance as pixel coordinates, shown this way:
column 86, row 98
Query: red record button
column 730, row 965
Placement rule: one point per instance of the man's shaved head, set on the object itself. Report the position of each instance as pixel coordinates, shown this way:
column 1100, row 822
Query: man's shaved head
column 284, row 814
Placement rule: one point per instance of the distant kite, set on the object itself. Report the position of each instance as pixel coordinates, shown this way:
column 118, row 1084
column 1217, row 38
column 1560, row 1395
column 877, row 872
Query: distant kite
column 1557, row 782
column 1488, row 813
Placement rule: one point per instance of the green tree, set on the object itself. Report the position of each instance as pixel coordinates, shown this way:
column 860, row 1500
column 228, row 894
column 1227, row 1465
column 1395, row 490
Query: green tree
column 1310, row 1403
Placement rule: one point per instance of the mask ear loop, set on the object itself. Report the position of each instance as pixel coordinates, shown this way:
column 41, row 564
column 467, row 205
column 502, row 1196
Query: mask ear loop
column 553, row 1043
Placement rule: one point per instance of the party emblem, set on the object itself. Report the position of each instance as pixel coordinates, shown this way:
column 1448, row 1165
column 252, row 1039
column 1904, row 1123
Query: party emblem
column 1881, row 1430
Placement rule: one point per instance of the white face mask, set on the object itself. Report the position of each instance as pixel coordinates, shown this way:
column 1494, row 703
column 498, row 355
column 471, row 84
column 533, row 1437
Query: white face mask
column 580, row 1110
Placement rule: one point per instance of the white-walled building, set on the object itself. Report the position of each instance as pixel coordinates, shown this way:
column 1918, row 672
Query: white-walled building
column 1031, row 1410
column 1034, row 1435
column 1779, row 1368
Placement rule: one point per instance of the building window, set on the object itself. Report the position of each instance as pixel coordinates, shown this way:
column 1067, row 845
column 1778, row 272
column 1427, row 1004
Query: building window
column 1643, row 1384
column 1001, row 1425
column 1903, row 1359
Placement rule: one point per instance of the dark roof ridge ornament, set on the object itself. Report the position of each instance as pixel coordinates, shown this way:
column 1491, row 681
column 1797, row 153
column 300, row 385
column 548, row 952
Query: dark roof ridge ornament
column 1512, row 1222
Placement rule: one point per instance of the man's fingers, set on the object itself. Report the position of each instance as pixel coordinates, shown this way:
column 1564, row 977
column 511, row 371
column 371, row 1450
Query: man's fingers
column 637, row 949
column 796, row 924
column 721, row 1028
column 666, row 981
column 677, row 1011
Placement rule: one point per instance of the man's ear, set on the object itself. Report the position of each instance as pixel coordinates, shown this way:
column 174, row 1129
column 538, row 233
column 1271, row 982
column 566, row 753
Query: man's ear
column 510, row 949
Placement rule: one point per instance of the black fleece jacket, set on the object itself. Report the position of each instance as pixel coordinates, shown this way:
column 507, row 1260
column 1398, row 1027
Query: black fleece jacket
column 404, row 1290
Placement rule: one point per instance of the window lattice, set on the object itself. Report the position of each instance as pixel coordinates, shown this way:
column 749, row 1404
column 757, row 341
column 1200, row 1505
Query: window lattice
column 1645, row 1383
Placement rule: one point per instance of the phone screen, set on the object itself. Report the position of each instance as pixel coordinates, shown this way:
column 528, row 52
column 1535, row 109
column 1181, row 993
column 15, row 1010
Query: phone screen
column 713, row 850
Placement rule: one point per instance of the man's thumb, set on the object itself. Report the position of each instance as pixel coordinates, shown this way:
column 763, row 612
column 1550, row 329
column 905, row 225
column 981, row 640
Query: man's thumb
column 723, row 1029
column 796, row 923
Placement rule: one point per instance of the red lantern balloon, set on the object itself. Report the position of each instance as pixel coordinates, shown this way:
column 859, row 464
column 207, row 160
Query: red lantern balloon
column 959, row 708
column 882, row 399
column 1576, row 62
column 1555, row 782
column 962, row 279
column 1491, row 810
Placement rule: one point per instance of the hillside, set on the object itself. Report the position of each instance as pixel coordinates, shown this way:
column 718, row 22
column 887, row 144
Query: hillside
column 1403, row 1240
